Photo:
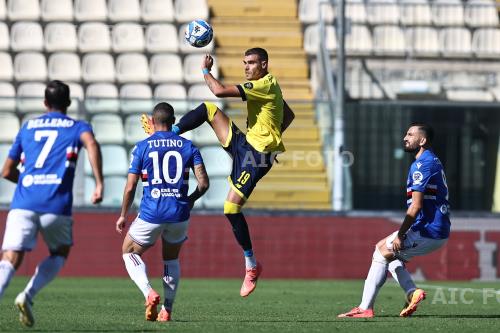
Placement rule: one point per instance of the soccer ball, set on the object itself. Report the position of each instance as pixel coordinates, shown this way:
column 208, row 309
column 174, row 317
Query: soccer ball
column 198, row 33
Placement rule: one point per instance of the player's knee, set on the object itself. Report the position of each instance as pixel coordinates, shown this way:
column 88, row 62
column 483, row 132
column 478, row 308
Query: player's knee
column 14, row 257
column 395, row 265
column 62, row 251
column 231, row 208
column 211, row 110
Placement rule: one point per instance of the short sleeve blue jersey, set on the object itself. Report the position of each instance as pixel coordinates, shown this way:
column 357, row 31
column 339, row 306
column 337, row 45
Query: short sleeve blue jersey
column 163, row 160
column 427, row 176
column 47, row 148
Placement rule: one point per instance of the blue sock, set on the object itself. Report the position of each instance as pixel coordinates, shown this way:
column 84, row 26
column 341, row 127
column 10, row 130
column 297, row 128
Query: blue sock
column 248, row 253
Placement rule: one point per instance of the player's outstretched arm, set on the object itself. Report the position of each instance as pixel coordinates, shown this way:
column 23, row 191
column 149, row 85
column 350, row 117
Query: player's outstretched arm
column 288, row 116
column 217, row 88
column 203, row 183
column 10, row 171
column 128, row 198
column 95, row 159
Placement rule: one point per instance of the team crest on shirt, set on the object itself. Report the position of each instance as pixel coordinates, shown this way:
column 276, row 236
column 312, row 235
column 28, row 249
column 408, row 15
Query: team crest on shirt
column 417, row 177
column 248, row 85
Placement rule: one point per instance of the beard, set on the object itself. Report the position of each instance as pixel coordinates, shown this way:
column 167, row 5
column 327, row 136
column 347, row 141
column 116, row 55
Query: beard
column 411, row 149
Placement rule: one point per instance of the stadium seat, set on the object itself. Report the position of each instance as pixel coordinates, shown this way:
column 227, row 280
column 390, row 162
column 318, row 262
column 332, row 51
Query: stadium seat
column 192, row 65
column 217, row 161
column 136, row 98
column 6, row 67
column 309, row 11
column 108, row 128
column 415, row 12
column 7, row 188
column 174, row 94
column 388, row 39
column 98, row 67
column 422, row 41
column 4, row 37
column 184, row 47
column 447, row 12
column 76, row 94
column 26, row 36
column 166, row 68
column 465, row 95
column 133, row 129
column 157, row 11
column 382, row 12
column 481, row 13
column 188, row 10
column 132, row 67
column 355, row 11
column 124, row 10
column 161, row 38
column 10, row 126
column 30, row 96
column 102, row 97
column 217, row 193
column 60, row 10
column 94, row 37
column 60, row 37
column 23, row 10
column 114, row 161
column 90, row 10
column 486, row 43
column 359, row 40
column 199, row 93
column 30, row 66
column 455, row 42
column 204, row 135
column 127, row 37
column 65, row 67
column 311, row 39
column 7, row 97
column 3, row 10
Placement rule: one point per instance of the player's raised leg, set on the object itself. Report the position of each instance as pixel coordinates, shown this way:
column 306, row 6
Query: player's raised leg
column 136, row 269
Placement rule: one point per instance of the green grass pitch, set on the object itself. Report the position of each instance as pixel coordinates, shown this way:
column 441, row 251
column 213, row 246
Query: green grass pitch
column 115, row 305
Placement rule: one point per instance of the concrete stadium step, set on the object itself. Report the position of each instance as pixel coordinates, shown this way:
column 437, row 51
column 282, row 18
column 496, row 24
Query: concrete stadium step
column 261, row 38
column 298, row 108
column 255, row 8
column 250, row 26
column 275, row 180
column 282, row 196
column 307, row 163
column 273, row 51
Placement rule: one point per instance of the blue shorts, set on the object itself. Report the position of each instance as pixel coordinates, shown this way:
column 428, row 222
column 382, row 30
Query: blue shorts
column 249, row 165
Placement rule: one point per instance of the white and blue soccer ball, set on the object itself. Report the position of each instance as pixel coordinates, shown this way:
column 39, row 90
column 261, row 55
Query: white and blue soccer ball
column 198, row 33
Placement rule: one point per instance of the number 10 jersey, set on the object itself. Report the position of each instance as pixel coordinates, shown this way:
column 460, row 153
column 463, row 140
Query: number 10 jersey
column 47, row 148
column 163, row 161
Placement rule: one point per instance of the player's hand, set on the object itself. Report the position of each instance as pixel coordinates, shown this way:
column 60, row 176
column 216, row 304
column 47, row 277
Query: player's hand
column 120, row 224
column 97, row 195
column 208, row 62
column 397, row 244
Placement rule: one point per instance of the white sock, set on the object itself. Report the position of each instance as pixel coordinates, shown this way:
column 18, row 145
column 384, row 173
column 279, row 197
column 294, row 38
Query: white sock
column 6, row 273
column 45, row 272
column 402, row 276
column 171, row 278
column 136, row 269
column 375, row 280
column 250, row 262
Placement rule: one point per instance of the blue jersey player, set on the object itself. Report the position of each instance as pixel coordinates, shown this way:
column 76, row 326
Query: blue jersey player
column 47, row 148
column 162, row 162
column 425, row 228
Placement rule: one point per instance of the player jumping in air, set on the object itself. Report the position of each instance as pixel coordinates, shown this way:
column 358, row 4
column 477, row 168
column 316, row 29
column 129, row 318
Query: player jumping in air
column 425, row 228
column 162, row 161
column 47, row 148
column 253, row 154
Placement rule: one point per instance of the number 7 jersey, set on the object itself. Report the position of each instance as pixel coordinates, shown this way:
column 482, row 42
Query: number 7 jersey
column 47, row 148
column 163, row 161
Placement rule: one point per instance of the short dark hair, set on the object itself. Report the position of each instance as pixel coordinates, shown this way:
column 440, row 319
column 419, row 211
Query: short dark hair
column 163, row 114
column 258, row 51
column 57, row 95
column 426, row 129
